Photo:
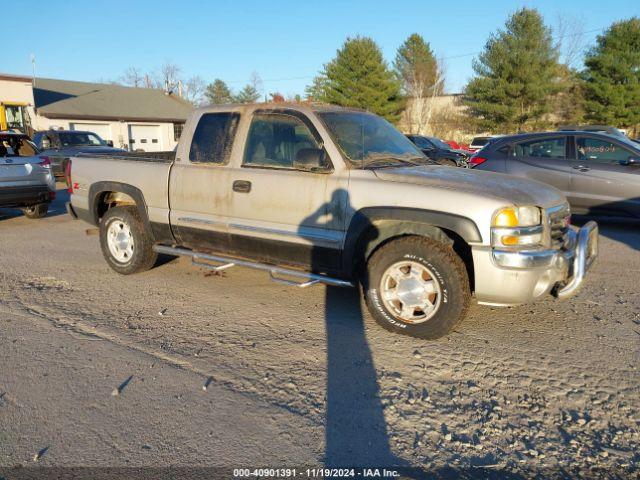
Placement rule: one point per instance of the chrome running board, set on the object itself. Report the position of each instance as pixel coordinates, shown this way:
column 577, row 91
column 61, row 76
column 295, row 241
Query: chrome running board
column 275, row 273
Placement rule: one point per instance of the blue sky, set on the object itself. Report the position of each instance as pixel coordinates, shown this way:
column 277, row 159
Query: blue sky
column 285, row 42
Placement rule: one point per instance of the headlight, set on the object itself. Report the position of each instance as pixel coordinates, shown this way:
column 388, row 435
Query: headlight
column 517, row 217
column 517, row 226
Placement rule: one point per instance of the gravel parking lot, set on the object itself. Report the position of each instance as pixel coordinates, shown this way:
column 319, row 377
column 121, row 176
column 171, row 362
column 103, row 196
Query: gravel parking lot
column 299, row 377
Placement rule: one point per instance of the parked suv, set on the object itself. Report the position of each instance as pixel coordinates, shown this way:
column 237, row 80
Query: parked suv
column 599, row 173
column 26, row 181
column 60, row 145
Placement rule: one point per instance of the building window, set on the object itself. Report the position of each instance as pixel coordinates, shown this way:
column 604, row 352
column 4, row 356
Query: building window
column 177, row 130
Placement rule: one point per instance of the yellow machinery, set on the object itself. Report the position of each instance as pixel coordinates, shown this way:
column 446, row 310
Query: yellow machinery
column 14, row 116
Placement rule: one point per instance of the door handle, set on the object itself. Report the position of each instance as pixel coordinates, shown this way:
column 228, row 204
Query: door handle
column 582, row 168
column 242, row 186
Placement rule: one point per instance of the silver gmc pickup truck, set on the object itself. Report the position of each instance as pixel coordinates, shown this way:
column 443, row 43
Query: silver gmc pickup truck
column 322, row 194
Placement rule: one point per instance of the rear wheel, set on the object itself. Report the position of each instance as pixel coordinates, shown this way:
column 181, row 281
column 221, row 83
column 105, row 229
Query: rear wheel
column 36, row 211
column 417, row 286
column 126, row 243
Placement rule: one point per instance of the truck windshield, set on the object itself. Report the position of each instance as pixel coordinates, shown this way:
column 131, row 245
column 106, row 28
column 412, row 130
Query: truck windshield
column 367, row 140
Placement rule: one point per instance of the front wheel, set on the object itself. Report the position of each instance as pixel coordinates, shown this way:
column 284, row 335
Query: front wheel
column 36, row 211
column 417, row 286
column 126, row 243
column 447, row 162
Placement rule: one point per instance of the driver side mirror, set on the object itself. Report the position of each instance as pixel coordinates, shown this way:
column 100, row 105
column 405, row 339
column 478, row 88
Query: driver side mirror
column 108, row 143
column 311, row 160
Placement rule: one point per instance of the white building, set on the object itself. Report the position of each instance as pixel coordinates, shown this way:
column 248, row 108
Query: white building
column 145, row 119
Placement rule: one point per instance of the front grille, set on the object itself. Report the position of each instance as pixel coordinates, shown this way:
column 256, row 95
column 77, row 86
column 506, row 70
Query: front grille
column 559, row 219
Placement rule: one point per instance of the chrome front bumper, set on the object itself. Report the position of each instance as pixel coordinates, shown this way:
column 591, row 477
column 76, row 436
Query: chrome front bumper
column 585, row 253
column 508, row 277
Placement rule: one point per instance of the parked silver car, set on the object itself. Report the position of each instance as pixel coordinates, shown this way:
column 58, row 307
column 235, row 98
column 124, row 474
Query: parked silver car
column 599, row 173
column 26, row 179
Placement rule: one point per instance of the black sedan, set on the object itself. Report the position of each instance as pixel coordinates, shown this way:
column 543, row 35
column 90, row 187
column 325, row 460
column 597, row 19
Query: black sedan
column 439, row 151
column 60, row 145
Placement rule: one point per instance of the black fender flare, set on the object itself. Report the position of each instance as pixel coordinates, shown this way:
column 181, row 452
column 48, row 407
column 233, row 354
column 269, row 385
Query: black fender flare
column 391, row 222
column 101, row 187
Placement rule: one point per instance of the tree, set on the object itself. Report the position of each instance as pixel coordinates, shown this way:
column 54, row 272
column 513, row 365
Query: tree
column 516, row 76
column 359, row 77
column 612, row 75
column 568, row 108
column 193, row 90
column 132, row 77
column 250, row 92
column 168, row 78
column 218, row 92
column 276, row 97
column 421, row 78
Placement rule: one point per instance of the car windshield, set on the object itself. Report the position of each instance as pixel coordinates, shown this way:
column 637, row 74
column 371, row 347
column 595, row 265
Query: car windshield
column 367, row 140
column 73, row 139
column 439, row 143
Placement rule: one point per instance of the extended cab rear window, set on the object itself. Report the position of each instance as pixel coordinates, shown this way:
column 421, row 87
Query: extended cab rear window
column 213, row 138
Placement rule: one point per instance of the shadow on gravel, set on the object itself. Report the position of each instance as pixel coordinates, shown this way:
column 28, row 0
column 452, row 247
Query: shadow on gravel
column 623, row 230
column 355, row 429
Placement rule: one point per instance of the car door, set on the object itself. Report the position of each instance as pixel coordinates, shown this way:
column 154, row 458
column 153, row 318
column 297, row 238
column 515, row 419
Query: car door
column 279, row 213
column 543, row 159
column 605, row 176
column 199, row 189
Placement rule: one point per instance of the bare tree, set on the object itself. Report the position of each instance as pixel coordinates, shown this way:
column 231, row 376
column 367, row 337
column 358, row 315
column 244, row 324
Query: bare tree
column 570, row 39
column 133, row 77
column 168, row 77
column 193, row 90
column 421, row 105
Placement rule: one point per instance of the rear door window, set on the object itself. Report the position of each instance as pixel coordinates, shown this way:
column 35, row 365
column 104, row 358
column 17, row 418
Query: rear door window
column 542, row 148
column 275, row 139
column 590, row 149
column 213, row 138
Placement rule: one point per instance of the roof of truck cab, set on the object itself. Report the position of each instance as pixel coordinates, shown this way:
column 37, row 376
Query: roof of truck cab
column 300, row 106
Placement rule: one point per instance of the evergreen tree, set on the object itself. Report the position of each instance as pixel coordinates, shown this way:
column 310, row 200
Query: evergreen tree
column 359, row 77
column 417, row 68
column 517, row 76
column 612, row 76
column 248, row 94
column 251, row 91
column 218, row 92
column 421, row 79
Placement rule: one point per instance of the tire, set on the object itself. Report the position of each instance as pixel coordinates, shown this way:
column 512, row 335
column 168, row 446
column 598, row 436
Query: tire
column 130, row 249
column 441, row 277
column 36, row 211
column 447, row 162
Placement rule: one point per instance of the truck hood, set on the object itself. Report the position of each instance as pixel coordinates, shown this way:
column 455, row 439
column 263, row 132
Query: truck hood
column 510, row 189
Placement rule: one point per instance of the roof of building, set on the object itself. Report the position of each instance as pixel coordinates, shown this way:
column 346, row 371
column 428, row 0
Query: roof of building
column 14, row 78
column 100, row 101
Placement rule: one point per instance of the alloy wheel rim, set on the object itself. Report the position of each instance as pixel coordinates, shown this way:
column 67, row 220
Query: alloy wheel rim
column 410, row 292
